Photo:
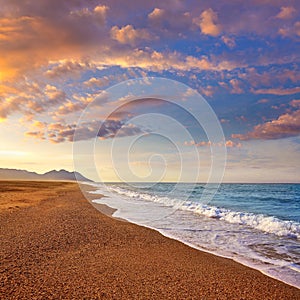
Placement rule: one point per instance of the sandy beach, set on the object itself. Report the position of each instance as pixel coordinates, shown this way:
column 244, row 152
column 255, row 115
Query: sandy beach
column 56, row 245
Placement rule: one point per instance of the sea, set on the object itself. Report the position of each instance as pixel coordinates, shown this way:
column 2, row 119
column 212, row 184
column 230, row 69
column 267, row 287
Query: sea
column 257, row 225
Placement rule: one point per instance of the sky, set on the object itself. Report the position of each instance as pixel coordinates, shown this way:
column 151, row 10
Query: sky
column 242, row 58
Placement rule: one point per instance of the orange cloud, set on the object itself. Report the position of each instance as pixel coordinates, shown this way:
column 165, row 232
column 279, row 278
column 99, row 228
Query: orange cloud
column 287, row 125
column 129, row 35
column 231, row 144
column 208, row 22
column 98, row 82
column 36, row 134
column 100, row 12
column 157, row 13
column 68, row 67
column 29, row 43
column 31, row 40
column 159, row 61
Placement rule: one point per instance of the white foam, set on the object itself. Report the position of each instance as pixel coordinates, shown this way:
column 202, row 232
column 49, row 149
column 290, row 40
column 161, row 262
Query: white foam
column 268, row 224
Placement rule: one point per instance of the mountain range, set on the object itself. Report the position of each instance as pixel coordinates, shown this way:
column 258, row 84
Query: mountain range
column 61, row 175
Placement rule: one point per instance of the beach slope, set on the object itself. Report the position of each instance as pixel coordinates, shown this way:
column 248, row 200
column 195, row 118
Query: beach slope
column 56, row 245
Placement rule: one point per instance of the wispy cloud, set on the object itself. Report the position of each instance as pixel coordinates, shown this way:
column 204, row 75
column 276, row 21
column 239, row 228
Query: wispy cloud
column 278, row 91
column 228, row 144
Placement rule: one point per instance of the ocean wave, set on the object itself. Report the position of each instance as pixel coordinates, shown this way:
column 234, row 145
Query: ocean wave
column 268, row 224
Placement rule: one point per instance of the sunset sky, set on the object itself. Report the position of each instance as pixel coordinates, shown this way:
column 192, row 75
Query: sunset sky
column 243, row 57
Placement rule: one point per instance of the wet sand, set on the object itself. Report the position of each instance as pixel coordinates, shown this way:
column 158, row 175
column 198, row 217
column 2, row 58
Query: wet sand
column 56, row 245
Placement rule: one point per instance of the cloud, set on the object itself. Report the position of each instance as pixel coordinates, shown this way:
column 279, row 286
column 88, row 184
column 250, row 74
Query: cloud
column 228, row 144
column 297, row 28
column 290, row 31
column 95, row 15
column 231, row 144
column 208, row 90
column 70, row 107
column 32, row 35
column 54, row 95
column 70, row 68
column 153, row 60
column 129, row 35
column 21, row 36
column 278, row 91
column 295, row 103
column 36, row 134
column 229, row 41
column 97, row 82
column 9, row 106
column 236, row 86
column 286, row 12
column 170, row 23
column 100, row 12
column 157, row 13
column 270, row 77
column 60, row 132
column 287, row 125
column 30, row 98
column 263, row 101
column 207, row 22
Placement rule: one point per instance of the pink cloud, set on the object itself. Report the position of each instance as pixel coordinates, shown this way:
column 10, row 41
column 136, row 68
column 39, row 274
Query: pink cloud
column 286, row 12
column 287, row 125
column 229, row 41
column 236, row 86
column 208, row 90
column 295, row 103
column 290, row 30
column 278, row 91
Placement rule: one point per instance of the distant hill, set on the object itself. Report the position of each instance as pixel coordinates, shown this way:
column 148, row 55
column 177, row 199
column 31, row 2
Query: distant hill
column 61, row 175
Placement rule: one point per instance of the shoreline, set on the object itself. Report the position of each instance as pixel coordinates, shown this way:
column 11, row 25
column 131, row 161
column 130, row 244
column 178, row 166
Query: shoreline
column 58, row 245
column 103, row 208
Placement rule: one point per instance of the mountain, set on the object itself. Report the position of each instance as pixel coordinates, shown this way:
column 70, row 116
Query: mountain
column 62, row 175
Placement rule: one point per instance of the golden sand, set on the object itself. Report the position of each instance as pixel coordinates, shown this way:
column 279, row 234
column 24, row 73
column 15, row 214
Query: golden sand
column 56, row 245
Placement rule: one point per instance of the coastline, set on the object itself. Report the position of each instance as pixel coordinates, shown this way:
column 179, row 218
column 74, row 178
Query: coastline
column 55, row 244
column 227, row 236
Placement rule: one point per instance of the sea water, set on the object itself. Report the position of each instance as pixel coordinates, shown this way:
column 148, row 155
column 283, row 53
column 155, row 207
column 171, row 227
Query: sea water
column 255, row 224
